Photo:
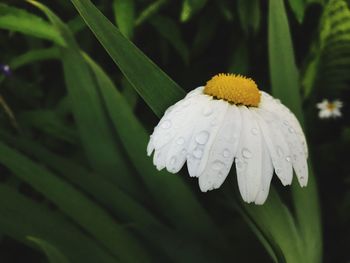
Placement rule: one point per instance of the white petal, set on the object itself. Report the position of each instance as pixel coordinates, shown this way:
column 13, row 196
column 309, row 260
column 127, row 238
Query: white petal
column 179, row 145
column 160, row 155
column 267, row 172
column 323, row 114
column 206, row 127
column 276, row 107
column 150, row 146
column 338, row 104
column 222, row 152
column 277, row 146
column 322, row 105
column 336, row 113
column 174, row 119
column 249, row 157
column 298, row 154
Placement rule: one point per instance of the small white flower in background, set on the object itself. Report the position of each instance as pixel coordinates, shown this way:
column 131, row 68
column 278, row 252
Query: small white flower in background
column 329, row 109
column 230, row 120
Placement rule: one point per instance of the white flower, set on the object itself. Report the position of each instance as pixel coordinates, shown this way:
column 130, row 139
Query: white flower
column 329, row 109
column 236, row 123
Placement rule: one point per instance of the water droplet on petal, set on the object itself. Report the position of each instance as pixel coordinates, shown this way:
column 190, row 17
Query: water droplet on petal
column 172, row 161
column 278, row 171
column 291, row 130
column 246, row 153
column 288, row 159
column 166, row 124
column 226, row 153
column 198, row 153
column 286, row 123
column 202, row 137
column 207, row 111
column 180, row 141
column 218, row 165
column 254, row 131
column 183, row 151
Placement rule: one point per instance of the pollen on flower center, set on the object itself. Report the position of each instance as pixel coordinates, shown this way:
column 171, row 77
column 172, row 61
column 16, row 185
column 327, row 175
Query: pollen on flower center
column 236, row 89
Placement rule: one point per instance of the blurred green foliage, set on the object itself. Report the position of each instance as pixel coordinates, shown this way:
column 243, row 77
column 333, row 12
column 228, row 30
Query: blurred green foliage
column 88, row 83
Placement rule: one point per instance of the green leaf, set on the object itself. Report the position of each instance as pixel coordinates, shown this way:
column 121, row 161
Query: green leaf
column 191, row 7
column 283, row 70
column 226, row 9
column 52, row 253
column 330, row 58
column 32, row 56
column 75, row 205
column 97, row 138
column 21, row 217
column 298, row 8
column 48, row 121
column 106, row 194
column 285, row 86
column 276, row 223
column 170, row 31
column 240, row 59
column 19, row 20
column 149, row 11
column 149, row 80
column 124, row 11
column 249, row 15
column 129, row 93
column 204, row 34
column 167, row 190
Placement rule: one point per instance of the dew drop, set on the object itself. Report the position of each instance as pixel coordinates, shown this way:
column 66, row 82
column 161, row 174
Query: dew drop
column 198, row 153
column 278, row 171
column 218, row 165
column 180, row 141
column 172, row 161
column 183, row 151
column 286, row 123
column 207, row 111
column 226, row 153
column 254, row 131
column 246, row 153
column 291, row 130
column 288, row 159
column 202, row 137
column 166, row 124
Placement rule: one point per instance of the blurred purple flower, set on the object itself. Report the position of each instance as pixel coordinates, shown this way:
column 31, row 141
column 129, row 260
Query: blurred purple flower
column 5, row 69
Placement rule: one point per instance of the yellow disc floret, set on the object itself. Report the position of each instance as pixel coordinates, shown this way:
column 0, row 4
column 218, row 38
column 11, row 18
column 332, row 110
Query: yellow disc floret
column 236, row 89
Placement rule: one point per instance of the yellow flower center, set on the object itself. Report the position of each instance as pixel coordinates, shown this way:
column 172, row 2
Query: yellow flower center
column 236, row 89
column 331, row 106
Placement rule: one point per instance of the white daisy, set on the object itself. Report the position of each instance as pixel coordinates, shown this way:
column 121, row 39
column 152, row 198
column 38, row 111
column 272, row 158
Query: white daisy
column 329, row 109
column 230, row 120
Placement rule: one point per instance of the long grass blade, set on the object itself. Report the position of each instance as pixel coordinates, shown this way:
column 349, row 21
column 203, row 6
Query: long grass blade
column 75, row 205
column 285, row 86
column 149, row 80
